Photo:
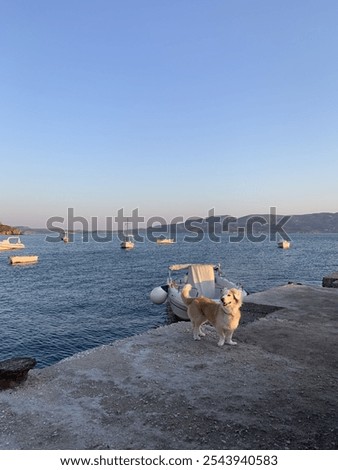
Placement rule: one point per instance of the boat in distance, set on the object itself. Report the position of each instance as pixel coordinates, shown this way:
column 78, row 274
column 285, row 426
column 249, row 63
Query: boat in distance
column 11, row 243
column 165, row 241
column 284, row 244
column 128, row 242
column 206, row 279
column 23, row 259
column 65, row 237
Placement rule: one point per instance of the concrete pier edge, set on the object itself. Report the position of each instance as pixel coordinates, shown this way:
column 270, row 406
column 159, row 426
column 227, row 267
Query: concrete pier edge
column 161, row 390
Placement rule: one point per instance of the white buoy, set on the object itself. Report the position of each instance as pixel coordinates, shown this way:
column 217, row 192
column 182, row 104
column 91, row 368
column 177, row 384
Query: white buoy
column 158, row 295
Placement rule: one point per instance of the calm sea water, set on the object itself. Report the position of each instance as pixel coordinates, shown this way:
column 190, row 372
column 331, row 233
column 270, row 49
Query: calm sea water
column 85, row 294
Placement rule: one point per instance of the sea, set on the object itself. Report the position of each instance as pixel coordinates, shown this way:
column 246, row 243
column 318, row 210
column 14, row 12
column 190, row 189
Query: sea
column 87, row 293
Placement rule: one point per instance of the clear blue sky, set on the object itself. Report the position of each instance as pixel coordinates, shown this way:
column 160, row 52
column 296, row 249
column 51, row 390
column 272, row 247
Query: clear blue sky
column 173, row 107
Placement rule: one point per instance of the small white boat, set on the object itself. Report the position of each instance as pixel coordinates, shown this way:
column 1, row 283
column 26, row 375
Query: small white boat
column 284, row 244
column 128, row 239
column 165, row 241
column 11, row 243
column 65, row 238
column 23, row 259
column 206, row 279
column 128, row 242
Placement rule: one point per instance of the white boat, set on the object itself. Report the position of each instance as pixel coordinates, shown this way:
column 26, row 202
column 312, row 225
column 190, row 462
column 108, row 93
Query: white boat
column 128, row 239
column 11, row 243
column 284, row 244
column 206, row 279
column 23, row 259
column 65, row 238
column 128, row 242
column 165, row 241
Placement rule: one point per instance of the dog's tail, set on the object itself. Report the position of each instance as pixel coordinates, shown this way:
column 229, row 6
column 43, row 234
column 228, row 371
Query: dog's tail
column 185, row 294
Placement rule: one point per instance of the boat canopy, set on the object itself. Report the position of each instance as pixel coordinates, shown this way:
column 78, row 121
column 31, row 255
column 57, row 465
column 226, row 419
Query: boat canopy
column 200, row 276
column 11, row 238
column 178, row 267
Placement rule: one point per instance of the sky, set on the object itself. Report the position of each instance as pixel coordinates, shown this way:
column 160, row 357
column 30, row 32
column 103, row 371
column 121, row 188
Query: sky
column 170, row 107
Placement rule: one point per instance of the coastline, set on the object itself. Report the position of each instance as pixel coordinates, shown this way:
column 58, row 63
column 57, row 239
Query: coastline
column 161, row 390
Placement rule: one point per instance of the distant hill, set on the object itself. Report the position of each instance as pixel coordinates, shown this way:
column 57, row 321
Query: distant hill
column 8, row 230
column 28, row 230
column 323, row 222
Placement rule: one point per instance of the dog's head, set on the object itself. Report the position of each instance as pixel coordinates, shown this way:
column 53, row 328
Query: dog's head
column 231, row 298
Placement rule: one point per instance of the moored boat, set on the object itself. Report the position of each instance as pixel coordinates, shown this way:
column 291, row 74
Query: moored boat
column 284, row 244
column 206, row 280
column 165, row 241
column 65, row 237
column 23, row 259
column 128, row 242
column 11, row 243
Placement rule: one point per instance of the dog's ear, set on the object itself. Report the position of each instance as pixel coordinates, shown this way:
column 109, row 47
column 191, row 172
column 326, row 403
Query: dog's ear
column 237, row 294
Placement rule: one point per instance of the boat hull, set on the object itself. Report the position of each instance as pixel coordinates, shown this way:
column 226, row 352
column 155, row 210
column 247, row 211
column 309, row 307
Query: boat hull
column 284, row 244
column 127, row 245
column 7, row 248
column 23, row 259
column 11, row 246
column 205, row 279
column 8, row 245
column 177, row 306
column 165, row 241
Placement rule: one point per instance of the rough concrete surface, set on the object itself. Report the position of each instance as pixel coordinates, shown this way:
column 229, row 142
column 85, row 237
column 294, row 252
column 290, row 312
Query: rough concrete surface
column 277, row 389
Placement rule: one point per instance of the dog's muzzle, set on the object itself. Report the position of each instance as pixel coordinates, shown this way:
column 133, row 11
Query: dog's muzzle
column 224, row 303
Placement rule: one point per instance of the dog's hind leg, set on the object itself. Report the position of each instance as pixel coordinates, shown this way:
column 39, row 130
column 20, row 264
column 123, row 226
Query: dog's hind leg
column 200, row 330
column 197, row 328
column 196, row 331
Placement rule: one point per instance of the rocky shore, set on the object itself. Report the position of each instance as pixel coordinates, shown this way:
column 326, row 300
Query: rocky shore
column 277, row 389
column 8, row 230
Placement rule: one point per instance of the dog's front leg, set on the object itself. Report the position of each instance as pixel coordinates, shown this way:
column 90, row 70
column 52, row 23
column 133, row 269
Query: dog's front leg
column 228, row 338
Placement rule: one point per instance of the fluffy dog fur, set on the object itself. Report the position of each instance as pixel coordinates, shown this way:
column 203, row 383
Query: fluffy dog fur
column 223, row 315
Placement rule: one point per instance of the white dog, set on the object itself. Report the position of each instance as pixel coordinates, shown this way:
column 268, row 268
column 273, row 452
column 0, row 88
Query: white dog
column 223, row 315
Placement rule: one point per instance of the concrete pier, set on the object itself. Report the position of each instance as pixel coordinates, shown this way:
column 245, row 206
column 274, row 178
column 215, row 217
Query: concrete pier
column 277, row 389
column 331, row 280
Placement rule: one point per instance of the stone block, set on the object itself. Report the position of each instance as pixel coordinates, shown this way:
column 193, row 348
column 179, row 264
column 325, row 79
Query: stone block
column 331, row 280
column 14, row 371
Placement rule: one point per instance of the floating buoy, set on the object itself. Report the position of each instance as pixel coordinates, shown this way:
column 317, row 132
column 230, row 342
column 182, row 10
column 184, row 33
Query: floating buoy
column 158, row 295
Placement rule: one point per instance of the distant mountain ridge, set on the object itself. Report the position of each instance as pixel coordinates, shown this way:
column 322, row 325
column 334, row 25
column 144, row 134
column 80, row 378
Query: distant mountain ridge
column 321, row 222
